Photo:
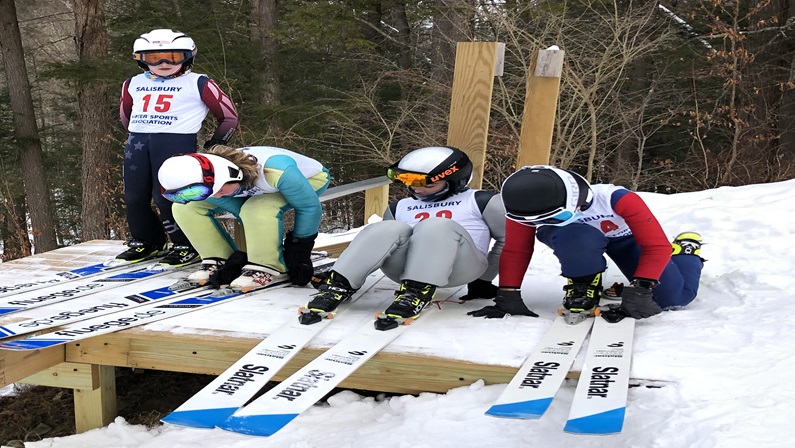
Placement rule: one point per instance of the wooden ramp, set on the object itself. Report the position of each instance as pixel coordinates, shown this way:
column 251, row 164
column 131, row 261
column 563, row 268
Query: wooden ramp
column 216, row 341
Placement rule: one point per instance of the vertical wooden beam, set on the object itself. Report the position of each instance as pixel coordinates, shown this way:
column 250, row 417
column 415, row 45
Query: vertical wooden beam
column 95, row 408
column 375, row 201
column 540, row 107
column 476, row 64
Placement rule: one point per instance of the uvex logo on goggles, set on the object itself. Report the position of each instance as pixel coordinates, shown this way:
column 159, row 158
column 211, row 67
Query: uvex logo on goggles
column 444, row 174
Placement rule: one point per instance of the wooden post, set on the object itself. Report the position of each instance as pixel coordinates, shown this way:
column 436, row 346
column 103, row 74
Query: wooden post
column 540, row 107
column 476, row 64
column 94, row 391
column 375, row 201
column 95, row 408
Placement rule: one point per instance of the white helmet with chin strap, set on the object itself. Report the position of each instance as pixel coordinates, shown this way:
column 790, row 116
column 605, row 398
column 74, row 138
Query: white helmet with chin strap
column 164, row 40
column 209, row 170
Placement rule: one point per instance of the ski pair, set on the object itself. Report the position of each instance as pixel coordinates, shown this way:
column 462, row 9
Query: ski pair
column 75, row 274
column 243, row 379
column 57, row 278
column 143, row 314
column 599, row 403
column 81, row 287
column 128, row 296
column 279, row 406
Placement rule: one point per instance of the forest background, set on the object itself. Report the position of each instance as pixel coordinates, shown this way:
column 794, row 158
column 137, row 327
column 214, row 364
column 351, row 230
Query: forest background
column 672, row 96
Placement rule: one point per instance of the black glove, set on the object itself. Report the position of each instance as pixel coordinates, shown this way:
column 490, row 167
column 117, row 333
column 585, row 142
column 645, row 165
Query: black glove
column 230, row 270
column 637, row 300
column 298, row 258
column 480, row 289
column 212, row 142
column 506, row 302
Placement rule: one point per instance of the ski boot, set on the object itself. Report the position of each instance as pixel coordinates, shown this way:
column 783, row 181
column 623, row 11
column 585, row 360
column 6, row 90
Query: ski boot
column 582, row 298
column 179, row 256
column 201, row 277
column 255, row 276
column 331, row 293
column 137, row 251
column 410, row 300
column 687, row 243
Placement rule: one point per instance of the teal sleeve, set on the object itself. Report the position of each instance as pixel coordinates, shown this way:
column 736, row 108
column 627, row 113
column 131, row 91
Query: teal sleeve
column 298, row 192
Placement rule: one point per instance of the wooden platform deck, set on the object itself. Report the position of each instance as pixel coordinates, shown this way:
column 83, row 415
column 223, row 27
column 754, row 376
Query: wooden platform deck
column 214, row 344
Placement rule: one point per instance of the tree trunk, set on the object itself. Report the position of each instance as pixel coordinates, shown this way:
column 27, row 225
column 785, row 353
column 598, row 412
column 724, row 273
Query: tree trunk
column 91, row 41
column 25, row 130
column 403, row 27
column 449, row 27
column 13, row 230
column 263, row 21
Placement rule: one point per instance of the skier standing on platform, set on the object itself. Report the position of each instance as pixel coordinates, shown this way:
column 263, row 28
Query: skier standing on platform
column 163, row 110
column 437, row 237
column 581, row 223
column 257, row 185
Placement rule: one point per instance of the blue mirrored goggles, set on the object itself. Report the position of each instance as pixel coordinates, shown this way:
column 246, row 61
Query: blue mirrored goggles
column 558, row 216
column 189, row 193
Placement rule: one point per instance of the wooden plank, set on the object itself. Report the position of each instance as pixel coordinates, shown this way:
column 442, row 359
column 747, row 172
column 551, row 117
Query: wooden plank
column 387, row 372
column 70, row 375
column 16, row 365
column 540, row 107
column 334, row 250
column 470, row 105
column 95, row 408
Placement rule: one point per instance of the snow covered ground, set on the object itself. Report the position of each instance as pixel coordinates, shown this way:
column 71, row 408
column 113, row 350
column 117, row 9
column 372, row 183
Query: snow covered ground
column 726, row 358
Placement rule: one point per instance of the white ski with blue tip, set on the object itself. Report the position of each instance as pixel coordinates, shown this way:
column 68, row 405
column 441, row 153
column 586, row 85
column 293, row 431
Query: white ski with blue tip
column 600, row 400
column 532, row 389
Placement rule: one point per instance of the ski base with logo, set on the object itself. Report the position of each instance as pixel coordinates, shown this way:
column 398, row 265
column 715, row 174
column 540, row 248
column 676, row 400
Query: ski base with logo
column 532, row 389
column 600, row 400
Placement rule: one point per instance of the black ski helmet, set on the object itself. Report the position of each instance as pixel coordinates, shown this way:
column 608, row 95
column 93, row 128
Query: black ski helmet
column 539, row 189
column 436, row 163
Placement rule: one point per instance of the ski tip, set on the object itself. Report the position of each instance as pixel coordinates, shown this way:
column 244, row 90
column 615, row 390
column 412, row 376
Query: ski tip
column 201, row 418
column 8, row 310
column 523, row 409
column 610, row 422
column 257, row 425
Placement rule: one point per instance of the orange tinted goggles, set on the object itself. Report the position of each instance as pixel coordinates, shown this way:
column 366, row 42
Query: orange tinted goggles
column 407, row 178
column 175, row 57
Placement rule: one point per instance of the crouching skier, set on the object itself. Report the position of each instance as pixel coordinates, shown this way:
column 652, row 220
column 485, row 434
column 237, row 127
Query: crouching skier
column 257, row 185
column 582, row 223
column 438, row 237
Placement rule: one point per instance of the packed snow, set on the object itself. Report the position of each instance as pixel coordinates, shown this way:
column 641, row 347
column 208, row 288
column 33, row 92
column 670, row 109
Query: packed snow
column 724, row 363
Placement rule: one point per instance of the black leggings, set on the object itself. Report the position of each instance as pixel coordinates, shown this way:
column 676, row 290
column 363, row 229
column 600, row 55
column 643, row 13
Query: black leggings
column 143, row 155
